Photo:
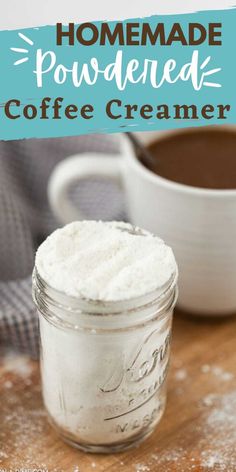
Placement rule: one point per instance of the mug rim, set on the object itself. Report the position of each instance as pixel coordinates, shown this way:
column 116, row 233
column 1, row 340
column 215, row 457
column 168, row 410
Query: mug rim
column 178, row 186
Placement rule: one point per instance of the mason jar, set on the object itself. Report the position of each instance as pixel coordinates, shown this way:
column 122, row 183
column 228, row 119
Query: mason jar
column 104, row 365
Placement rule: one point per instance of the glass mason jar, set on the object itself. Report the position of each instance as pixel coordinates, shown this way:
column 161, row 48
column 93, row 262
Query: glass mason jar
column 104, row 365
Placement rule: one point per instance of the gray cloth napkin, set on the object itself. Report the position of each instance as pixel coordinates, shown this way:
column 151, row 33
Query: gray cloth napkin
column 26, row 219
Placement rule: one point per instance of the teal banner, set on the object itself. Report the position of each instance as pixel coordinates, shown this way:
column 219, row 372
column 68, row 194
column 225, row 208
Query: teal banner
column 144, row 74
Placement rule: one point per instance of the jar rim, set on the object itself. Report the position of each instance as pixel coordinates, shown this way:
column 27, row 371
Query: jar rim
column 69, row 310
column 93, row 306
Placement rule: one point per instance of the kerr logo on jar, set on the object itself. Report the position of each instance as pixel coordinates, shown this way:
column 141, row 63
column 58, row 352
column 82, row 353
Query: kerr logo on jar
column 143, row 364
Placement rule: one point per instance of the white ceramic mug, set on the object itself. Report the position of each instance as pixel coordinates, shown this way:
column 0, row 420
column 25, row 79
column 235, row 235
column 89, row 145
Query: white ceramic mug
column 199, row 224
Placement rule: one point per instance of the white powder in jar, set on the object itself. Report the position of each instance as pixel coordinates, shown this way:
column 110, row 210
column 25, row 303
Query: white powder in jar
column 104, row 261
column 104, row 388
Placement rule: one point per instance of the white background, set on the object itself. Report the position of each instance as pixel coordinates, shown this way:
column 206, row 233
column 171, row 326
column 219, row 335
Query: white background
column 24, row 13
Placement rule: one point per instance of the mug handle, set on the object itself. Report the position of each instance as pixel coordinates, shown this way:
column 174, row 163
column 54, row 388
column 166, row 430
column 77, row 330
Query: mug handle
column 72, row 169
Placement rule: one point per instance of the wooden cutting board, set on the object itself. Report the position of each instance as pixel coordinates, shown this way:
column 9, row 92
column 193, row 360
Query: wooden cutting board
column 197, row 432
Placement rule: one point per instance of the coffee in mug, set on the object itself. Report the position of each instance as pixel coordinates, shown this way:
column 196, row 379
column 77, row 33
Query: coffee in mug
column 202, row 157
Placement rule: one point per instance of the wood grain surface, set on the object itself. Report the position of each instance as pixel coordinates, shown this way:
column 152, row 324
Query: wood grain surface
column 197, row 432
